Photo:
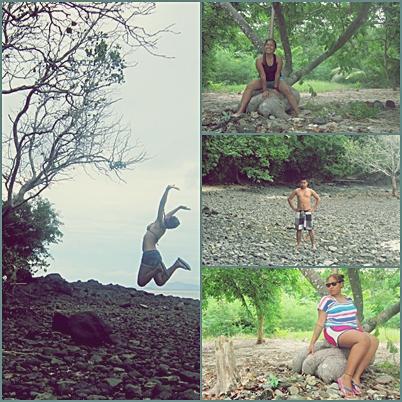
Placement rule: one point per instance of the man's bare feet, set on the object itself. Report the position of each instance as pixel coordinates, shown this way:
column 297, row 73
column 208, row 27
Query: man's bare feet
column 314, row 248
column 237, row 114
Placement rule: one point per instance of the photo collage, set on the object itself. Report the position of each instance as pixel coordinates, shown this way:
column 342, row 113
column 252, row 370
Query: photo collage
column 201, row 200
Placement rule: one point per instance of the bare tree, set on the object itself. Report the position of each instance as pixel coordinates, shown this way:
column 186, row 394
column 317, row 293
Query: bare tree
column 61, row 62
column 377, row 154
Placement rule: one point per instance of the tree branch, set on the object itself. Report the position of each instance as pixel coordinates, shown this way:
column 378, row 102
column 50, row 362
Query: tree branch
column 284, row 39
column 350, row 31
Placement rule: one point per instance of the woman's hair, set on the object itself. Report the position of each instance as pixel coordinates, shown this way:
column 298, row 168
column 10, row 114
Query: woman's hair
column 171, row 222
column 338, row 277
column 270, row 39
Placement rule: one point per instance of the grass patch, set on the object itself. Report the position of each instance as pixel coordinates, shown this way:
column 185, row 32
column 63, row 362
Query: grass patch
column 317, row 86
column 392, row 369
column 356, row 110
column 323, row 86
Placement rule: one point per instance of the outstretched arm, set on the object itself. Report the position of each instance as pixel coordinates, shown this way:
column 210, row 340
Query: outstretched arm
column 317, row 200
column 162, row 203
column 290, row 200
column 173, row 211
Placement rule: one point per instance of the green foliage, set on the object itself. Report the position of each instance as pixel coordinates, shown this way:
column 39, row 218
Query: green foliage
column 273, row 381
column 371, row 56
column 258, row 158
column 220, row 317
column 226, row 159
column 291, row 302
column 27, row 232
column 258, row 290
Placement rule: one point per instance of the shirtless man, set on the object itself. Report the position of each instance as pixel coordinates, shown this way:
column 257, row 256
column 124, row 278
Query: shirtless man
column 304, row 211
column 152, row 266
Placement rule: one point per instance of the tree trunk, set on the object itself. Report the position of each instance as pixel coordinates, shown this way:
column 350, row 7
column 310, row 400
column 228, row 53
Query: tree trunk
column 260, row 328
column 354, row 279
column 394, row 187
column 244, row 26
column 226, row 371
column 288, row 68
column 382, row 317
column 314, row 278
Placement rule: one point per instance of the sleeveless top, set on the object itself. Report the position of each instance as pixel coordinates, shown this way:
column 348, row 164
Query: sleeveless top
column 338, row 313
column 269, row 70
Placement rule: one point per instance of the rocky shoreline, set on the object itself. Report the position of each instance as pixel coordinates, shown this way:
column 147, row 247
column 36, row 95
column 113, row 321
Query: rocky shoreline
column 153, row 352
column 253, row 226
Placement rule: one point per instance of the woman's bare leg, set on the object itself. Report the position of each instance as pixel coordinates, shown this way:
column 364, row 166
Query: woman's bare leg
column 163, row 275
column 146, row 273
column 359, row 344
column 285, row 89
column 364, row 363
column 248, row 92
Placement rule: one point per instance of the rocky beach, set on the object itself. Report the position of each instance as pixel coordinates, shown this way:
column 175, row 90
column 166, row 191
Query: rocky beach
column 355, row 225
column 132, row 345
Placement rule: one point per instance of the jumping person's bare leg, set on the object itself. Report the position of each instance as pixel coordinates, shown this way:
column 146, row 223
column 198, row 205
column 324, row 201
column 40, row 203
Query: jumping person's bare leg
column 165, row 273
column 364, row 363
column 285, row 89
column 359, row 344
column 248, row 92
column 146, row 273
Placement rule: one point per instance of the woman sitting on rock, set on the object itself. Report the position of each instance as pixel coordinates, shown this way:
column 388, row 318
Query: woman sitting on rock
column 269, row 67
column 338, row 316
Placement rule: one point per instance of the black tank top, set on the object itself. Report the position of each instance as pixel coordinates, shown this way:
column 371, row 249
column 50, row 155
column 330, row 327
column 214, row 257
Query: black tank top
column 270, row 71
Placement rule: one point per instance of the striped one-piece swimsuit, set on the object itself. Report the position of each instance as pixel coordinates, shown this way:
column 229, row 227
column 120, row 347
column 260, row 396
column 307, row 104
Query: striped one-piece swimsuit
column 341, row 317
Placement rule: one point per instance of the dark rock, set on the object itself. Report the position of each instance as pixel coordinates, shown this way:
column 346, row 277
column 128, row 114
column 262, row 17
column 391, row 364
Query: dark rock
column 189, row 394
column 390, row 104
column 85, row 328
column 55, row 283
column 190, row 376
column 133, row 391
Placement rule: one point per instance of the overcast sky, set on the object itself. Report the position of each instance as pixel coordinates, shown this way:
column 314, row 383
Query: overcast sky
column 105, row 220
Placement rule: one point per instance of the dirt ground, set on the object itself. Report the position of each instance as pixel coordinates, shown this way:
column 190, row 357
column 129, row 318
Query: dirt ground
column 318, row 114
column 256, row 363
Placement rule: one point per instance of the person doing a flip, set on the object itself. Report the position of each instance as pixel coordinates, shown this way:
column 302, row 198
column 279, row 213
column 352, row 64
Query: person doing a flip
column 152, row 266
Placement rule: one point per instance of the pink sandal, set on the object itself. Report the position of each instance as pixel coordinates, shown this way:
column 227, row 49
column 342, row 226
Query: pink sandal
column 356, row 388
column 344, row 391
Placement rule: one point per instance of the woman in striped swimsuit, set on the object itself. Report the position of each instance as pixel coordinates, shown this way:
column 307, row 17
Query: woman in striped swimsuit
column 337, row 315
column 269, row 68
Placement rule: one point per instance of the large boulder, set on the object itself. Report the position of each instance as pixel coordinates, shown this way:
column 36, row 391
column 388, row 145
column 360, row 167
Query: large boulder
column 327, row 362
column 276, row 104
column 84, row 328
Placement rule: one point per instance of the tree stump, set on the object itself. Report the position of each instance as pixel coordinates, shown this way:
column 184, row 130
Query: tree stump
column 227, row 376
column 275, row 104
column 328, row 362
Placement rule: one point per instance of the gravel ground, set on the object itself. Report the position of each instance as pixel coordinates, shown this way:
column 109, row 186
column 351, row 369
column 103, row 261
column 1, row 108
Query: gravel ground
column 254, row 226
column 155, row 353
column 256, row 364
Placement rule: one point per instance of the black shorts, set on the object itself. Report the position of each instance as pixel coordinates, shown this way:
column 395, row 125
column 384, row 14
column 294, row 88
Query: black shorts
column 151, row 258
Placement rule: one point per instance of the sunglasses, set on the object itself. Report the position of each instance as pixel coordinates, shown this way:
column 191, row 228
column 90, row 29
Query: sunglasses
column 328, row 285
